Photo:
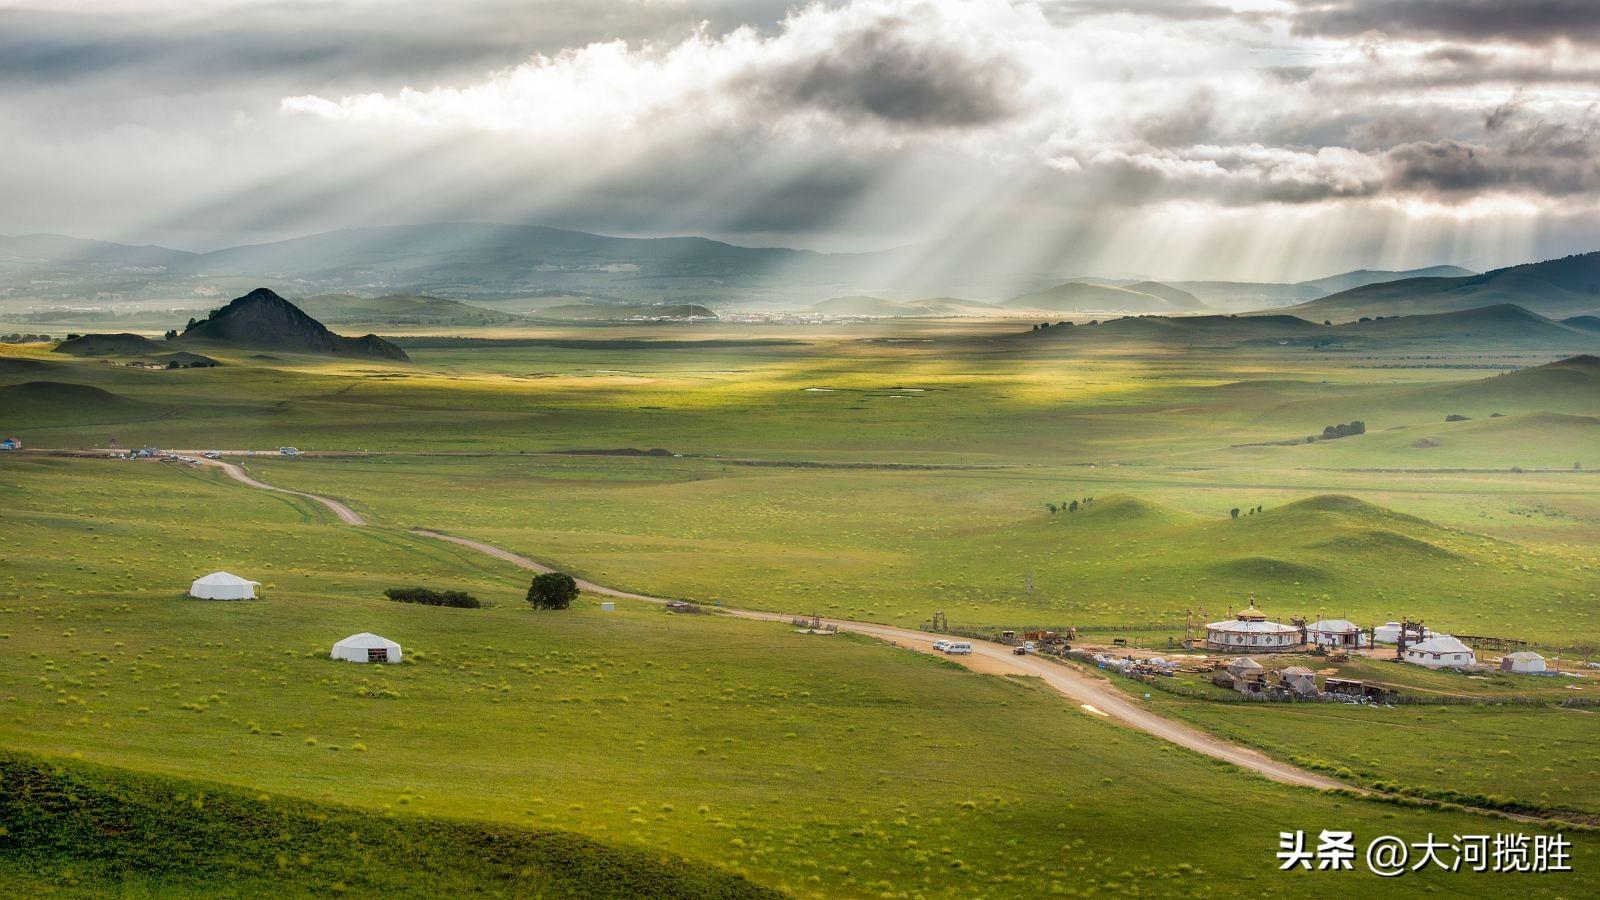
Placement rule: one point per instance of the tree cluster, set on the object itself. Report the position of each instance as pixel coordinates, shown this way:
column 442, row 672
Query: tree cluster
column 1068, row 506
column 430, row 597
column 1346, row 430
column 19, row 338
column 552, row 590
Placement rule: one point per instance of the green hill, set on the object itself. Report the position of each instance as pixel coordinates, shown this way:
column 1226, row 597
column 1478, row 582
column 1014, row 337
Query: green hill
column 1362, row 277
column 124, row 344
column 615, row 313
column 400, row 309
column 1177, row 298
column 859, row 305
column 55, row 402
column 1078, row 296
column 112, row 832
column 1499, row 324
column 1557, row 287
column 1215, row 330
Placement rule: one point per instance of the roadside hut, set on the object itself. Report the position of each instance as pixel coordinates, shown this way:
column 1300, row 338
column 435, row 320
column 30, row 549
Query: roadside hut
column 1336, row 634
column 1299, row 681
column 1250, row 631
column 223, row 586
column 1524, row 661
column 366, row 647
column 1441, row 652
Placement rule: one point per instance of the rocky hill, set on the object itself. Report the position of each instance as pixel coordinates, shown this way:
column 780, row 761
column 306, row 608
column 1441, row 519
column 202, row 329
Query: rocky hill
column 261, row 318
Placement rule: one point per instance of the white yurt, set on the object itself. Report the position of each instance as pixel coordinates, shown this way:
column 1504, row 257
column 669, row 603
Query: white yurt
column 1336, row 633
column 1524, row 661
column 223, row 586
column 1389, row 633
column 366, row 647
column 1251, row 631
column 1441, row 652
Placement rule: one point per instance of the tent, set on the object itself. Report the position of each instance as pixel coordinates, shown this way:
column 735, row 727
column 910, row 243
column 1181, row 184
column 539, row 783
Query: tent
column 1525, row 661
column 366, row 647
column 223, row 586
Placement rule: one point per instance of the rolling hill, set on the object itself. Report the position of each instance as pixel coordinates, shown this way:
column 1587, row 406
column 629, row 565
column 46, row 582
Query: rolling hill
column 1501, row 324
column 1557, row 288
column 1177, row 298
column 400, row 309
column 879, row 307
column 1345, row 281
column 608, row 312
column 56, row 402
column 261, row 318
column 1084, row 297
column 1183, row 330
column 125, row 833
column 124, row 344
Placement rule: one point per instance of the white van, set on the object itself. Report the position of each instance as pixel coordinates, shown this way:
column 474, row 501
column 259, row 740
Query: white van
column 958, row 648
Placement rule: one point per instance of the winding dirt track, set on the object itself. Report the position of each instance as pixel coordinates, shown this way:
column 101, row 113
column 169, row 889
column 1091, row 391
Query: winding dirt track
column 1093, row 695
column 1097, row 697
column 345, row 513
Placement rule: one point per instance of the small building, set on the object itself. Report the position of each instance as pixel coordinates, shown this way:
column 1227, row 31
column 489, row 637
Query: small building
column 1250, row 630
column 1389, row 633
column 1336, row 634
column 1246, row 676
column 11, row 444
column 1299, row 681
column 1441, row 652
column 1524, row 661
column 366, row 647
column 223, row 586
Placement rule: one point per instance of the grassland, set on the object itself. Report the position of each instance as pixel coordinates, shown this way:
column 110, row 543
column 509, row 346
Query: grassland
column 870, row 475
column 816, row 765
column 76, row 830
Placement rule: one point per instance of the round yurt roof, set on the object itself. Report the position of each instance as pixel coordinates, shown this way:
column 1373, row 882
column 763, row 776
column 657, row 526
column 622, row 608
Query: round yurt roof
column 366, row 640
column 1442, row 643
column 1245, row 663
column 219, row 578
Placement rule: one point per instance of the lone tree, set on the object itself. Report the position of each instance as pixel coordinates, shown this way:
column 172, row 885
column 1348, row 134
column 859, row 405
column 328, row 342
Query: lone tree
column 552, row 590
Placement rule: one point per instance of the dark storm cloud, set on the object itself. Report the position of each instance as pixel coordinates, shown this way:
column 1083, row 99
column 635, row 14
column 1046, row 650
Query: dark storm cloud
column 887, row 72
column 1516, row 21
column 1548, row 158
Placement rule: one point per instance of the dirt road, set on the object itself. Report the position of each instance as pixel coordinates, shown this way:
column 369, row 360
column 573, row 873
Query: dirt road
column 1096, row 696
column 345, row 513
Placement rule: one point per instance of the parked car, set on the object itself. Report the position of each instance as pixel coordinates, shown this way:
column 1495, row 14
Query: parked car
column 941, row 645
column 212, row 454
column 1021, row 651
column 289, row 451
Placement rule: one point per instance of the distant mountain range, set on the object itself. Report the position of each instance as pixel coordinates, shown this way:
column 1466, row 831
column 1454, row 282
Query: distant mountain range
column 1559, row 288
column 466, row 261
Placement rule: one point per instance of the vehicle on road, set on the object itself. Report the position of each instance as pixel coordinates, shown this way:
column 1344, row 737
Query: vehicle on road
column 958, row 648
column 1021, row 651
column 212, row 454
column 288, row 451
column 941, row 646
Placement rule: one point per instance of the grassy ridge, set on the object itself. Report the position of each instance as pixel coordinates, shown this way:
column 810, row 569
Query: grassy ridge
column 72, row 828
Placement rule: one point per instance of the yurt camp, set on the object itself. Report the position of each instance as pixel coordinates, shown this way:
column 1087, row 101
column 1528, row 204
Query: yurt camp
column 223, row 586
column 366, row 647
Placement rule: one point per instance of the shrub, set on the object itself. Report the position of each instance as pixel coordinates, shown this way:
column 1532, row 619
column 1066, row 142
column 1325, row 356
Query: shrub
column 552, row 590
column 429, row 597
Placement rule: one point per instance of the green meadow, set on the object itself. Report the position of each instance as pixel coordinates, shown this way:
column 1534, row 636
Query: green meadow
column 816, row 765
column 877, row 474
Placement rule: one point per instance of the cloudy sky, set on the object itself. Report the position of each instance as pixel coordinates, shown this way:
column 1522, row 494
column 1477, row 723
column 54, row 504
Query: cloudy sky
column 1251, row 139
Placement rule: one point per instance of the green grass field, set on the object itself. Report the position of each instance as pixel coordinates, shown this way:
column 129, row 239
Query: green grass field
column 913, row 479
